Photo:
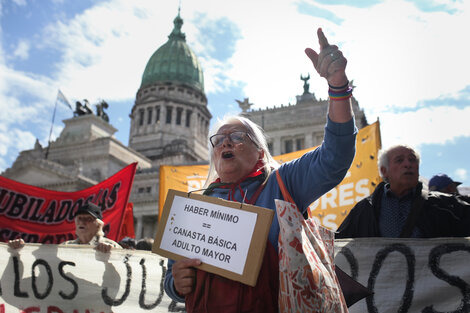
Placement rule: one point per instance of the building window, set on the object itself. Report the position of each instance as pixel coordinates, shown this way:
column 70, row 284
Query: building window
column 149, row 189
column 149, row 116
column 168, row 115
column 179, row 112
column 157, row 114
column 141, row 190
column 141, row 117
column 188, row 118
column 288, row 146
column 299, row 144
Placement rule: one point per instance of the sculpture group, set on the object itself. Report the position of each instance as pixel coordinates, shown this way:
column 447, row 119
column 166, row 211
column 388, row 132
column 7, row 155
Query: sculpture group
column 84, row 109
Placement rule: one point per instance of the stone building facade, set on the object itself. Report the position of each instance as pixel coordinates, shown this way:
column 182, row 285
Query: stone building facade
column 169, row 124
column 296, row 126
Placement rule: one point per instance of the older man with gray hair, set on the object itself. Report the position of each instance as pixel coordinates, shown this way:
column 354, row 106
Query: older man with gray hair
column 399, row 207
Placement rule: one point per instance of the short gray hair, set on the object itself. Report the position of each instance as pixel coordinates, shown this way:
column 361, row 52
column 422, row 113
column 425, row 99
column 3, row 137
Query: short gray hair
column 256, row 134
column 383, row 158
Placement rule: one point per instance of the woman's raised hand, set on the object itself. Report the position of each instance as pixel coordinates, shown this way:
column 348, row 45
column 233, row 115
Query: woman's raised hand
column 330, row 62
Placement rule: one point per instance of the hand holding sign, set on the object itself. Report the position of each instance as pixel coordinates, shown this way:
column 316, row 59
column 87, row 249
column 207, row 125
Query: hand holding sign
column 184, row 275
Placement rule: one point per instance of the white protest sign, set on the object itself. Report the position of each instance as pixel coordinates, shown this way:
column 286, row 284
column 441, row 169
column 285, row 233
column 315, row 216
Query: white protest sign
column 78, row 279
column 209, row 232
column 228, row 237
column 408, row 275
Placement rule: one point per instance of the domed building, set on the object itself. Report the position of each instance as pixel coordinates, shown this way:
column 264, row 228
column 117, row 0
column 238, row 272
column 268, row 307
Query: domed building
column 169, row 125
column 169, row 122
column 170, row 119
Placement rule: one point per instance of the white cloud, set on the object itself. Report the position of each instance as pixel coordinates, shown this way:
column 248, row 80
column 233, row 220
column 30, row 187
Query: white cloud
column 106, row 48
column 460, row 174
column 20, row 2
column 22, row 50
column 436, row 125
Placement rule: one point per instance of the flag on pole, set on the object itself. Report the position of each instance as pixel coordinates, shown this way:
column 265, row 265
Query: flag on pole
column 61, row 98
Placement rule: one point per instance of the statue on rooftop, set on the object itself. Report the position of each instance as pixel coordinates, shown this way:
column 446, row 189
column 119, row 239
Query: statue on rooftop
column 100, row 110
column 82, row 109
column 306, row 85
column 244, row 105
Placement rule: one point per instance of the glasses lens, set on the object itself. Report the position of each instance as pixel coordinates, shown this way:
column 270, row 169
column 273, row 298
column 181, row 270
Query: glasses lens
column 237, row 137
column 217, row 139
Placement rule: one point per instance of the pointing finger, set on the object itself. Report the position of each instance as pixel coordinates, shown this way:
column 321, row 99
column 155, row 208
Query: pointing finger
column 322, row 39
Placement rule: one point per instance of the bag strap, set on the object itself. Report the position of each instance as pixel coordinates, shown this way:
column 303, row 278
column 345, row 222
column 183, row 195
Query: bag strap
column 285, row 194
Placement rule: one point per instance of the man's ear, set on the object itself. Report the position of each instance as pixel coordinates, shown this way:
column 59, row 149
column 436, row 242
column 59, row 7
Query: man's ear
column 383, row 171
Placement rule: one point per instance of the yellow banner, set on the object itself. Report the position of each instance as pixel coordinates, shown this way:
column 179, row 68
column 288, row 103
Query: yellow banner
column 331, row 208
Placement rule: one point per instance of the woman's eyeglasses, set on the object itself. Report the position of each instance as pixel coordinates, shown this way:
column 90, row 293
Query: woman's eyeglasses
column 235, row 137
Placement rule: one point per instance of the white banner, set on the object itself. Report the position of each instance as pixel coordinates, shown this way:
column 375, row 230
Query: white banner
column 78, row 279
column 408, row 275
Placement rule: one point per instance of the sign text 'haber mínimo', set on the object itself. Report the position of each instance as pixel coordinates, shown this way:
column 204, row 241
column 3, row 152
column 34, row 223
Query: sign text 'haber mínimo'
column 215, row 234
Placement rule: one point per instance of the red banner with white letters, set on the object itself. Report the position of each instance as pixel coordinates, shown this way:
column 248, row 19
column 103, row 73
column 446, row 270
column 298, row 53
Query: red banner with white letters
column 47, row 216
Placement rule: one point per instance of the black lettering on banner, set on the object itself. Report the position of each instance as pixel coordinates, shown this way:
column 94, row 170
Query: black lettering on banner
column 434, row 264
column 175, row 307
column 10, row 197
column 36, row 215
column 380, row 257
column 113, row 195
column 3, row 192
column 102, row 201
column 17, row 290
column 65, row 207
column 48, row 239
column 50, row 280
column 17, row 206
column 73, row 282
column 48, row 216
column 104, row 292
column 77, row 204
column 32, row 202
column 347, row 253
column 143, row 289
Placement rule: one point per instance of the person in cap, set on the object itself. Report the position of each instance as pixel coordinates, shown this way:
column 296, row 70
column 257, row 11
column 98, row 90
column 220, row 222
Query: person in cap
column 443, row 183
column 399, row 207
column 89, row 230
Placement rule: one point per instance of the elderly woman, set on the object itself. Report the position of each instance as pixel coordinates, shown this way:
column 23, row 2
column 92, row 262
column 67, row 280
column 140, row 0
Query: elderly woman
column 89, row 230
column 241, row 169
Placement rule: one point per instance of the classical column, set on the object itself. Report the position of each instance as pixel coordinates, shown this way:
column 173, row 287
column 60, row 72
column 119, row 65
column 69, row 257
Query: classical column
column 138, row 231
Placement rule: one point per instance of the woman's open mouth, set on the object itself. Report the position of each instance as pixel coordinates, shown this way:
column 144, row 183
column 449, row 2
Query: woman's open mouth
column 227, row 155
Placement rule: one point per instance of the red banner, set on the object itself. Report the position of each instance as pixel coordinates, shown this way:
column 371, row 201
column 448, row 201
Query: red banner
column 46, row 216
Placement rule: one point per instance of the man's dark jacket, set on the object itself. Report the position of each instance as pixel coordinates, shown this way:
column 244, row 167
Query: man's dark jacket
column 437, row 215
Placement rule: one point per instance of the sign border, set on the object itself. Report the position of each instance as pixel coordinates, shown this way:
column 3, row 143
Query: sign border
column 257, row 245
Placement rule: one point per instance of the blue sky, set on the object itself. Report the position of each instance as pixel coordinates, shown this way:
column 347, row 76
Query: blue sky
column 408, row 59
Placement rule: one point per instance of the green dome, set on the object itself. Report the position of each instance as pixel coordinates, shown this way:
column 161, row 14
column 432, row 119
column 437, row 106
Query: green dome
column 174, row 62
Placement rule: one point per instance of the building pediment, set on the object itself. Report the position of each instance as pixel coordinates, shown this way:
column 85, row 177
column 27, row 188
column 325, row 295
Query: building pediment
column 47, row 174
